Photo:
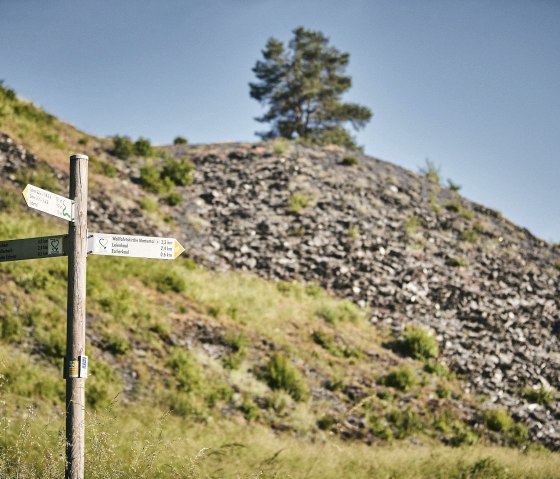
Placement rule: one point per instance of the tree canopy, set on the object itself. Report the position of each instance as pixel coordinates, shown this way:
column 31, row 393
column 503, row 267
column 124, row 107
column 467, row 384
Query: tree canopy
column 302, row 85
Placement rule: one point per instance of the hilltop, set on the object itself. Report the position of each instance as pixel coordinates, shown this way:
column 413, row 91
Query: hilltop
column 307, row 268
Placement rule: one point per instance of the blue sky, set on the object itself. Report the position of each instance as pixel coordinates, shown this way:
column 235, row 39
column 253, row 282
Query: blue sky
column 473, row 85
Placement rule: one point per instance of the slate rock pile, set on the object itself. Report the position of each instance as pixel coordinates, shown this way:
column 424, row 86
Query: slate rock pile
column 396, row 243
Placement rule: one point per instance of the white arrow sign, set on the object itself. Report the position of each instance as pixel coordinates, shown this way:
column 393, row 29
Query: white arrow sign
column 134, row 246
column 48, row 202
column 33, row 248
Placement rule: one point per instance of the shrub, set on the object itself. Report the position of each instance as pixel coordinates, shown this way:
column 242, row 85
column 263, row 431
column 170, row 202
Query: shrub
column 123, row 147
column 452, row 185
column 341, row 311
column 470, row 236
column 543, row 396
column 350, row 161
column 178, row 171
column 174, row 199
column 279, row 373
column 150, row 180
column 438, row 369
column 418, row 343
column 402, row 379
column 180, row 140
column 456, row 262
column 498, row 420
column 186, row 371
column 143, row 147
column 405, row 422
column 117, row 345
column 148, row 204
column 170, row 281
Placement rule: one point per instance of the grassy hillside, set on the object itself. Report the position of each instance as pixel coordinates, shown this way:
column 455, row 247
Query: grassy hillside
column 196, row 373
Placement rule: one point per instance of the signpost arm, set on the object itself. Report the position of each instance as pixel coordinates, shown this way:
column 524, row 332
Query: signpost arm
column 76, row 319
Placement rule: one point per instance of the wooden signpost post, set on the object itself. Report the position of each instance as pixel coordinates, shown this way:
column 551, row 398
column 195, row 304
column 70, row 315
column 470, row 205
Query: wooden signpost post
column 77, row 244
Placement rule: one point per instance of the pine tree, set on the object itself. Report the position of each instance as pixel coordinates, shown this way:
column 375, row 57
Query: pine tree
column 302, row 86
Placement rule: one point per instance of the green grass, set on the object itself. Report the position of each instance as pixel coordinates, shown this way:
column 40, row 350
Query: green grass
column 228, row 354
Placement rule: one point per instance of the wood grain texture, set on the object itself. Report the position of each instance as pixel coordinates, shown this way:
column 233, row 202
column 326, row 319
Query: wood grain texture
column 76, row 318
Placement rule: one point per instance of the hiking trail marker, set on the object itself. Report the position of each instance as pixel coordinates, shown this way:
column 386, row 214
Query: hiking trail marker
column 77, row 244
column 34, row 248
column 48, row 202
column 134, row 246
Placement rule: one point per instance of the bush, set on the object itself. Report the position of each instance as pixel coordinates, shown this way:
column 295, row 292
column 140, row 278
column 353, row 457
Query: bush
column 180, row 140
column 470, row 236
column 350, row 161
column 418, row 344
column 122, row 147
column 279, row 373
column 170, row 281
column 174, row 199
column 178, row 171
column 498, row 420
column 143, row 147
column 405, row 422
column 402, row 379
column 150, row 180
column 456, row 262
column 186, row 371
column 148, row 204
column 342, row 311
column 543, row 396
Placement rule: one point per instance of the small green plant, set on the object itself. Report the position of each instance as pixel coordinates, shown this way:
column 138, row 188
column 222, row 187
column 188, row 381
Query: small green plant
column 350, row 161
column 405, row 422
column 557, row 265
column 297, row 202
column 402, row 379
column 280, row 146
column 417, row 343
column 186, row 371
column 431, row 172
column 412, row 224
column 353, row 232
column 326, row 422
column 452, row 185
column 341, row 311
column 174, row 198
column 280, row 373
column 238, row 350
column 436, row 368
column 456, row 262
column 148, row 204
column 542, row 395
column 40, row 175
column 123, row 147
column 116, row 344
column 498, row 420
column 180, row 140
column 169, row 282
column 470, row 236
column 83, row 141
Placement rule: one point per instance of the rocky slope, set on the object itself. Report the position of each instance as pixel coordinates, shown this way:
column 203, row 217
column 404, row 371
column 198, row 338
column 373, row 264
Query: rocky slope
column 394, row 242
column 390, row 240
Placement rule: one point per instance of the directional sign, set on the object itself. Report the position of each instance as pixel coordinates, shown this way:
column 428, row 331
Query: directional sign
column 48, row 202
column 134, row 246
column 33, row 248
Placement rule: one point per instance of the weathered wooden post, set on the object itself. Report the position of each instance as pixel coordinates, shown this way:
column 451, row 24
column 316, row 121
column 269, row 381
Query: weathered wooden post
column 76, row 360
